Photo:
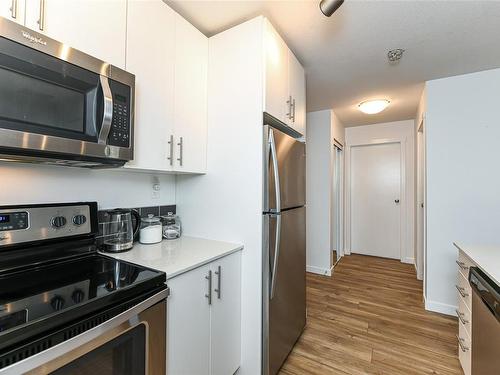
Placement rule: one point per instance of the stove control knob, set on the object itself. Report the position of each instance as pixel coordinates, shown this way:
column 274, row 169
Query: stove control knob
column 58, row 221
column 57, row 303
column 79, row 219
column 77, row 296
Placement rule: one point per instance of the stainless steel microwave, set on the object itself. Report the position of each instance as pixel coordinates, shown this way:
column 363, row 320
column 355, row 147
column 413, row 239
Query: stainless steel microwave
column 59, row 105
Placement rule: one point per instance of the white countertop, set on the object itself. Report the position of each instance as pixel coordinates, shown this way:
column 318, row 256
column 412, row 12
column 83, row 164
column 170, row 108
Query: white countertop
column 177, row 256
column 487, row 257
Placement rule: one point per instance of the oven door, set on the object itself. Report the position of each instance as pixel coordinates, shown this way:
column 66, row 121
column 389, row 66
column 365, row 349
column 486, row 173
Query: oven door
column 132, row 343
column 55, row 100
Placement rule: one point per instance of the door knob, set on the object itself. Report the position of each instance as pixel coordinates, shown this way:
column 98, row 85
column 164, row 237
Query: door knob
column 396, row 201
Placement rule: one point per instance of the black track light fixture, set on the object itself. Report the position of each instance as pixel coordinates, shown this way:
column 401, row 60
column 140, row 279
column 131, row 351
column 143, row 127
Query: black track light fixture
column 328, row 7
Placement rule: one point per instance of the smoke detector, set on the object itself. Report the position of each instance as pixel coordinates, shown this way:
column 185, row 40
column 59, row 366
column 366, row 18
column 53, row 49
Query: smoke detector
column 394, row 55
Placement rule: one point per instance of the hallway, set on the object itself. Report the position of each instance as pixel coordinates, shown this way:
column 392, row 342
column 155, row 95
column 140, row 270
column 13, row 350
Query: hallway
column 369, row 318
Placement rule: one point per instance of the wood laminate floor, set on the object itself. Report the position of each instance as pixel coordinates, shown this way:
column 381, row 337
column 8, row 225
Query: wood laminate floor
column 369, row 318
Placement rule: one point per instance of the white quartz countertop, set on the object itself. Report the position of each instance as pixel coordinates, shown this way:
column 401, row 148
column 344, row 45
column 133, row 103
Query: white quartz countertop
column 175, row 257
column 487, row 257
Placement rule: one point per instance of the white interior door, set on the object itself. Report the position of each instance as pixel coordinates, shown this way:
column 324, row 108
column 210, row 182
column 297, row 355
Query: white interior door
column 376, row 200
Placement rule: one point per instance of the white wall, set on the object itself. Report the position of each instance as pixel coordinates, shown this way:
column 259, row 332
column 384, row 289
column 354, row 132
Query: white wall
column 226, row 203
column 322, row 128
column 35, row 183
column 402, row 131
column 463, row 179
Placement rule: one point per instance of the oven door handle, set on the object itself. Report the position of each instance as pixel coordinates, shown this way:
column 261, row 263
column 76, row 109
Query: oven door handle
column 107, row 111
column 36, row 361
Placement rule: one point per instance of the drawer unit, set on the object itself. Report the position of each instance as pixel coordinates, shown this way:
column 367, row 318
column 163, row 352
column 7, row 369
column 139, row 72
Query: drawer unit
column 464, row 264
column 464, row 290
column 464, row 348
column 464, row 315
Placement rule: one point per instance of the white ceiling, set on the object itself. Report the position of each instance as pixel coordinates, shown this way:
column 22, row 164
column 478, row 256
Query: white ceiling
column 345, row 55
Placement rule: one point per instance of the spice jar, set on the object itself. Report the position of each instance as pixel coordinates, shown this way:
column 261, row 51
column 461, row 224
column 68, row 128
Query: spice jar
column 171, row 226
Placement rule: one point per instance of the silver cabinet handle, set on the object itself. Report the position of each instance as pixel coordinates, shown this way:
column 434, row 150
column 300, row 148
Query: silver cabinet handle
column 461, row 344
column 170, row 158
column 219, row 276
column 461, row 316
column 293, row 110
column 180, row 144
column 108, row 111
column 289, row 102
column 462, row 291
column 13, row 9
column 41, row 19
column 209, row 295
column 462, row 265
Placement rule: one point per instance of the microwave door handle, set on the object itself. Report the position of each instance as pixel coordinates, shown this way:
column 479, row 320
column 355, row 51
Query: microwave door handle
column 108, row 111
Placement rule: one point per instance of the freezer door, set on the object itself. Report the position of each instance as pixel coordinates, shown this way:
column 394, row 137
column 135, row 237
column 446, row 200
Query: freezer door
column 288, row 155
column 287, row 303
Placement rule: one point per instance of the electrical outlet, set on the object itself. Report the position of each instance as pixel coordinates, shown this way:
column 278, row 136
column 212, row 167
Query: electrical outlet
column 156, row 188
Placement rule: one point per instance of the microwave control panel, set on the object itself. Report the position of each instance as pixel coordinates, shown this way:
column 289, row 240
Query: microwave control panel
column 119, row 134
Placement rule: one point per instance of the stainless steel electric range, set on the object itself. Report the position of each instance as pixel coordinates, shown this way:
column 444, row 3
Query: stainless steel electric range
column 66, row 309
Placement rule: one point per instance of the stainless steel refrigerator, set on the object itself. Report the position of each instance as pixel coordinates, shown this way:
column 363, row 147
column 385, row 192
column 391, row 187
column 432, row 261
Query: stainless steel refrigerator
column 284, row 246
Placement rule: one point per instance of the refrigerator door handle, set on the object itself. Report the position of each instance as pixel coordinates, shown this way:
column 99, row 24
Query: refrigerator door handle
column 274, row 159
column 276, row 254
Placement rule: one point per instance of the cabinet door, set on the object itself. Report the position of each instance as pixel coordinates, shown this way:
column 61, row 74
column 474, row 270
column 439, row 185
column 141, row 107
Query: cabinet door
column 225, row 315
column 276, row 75
column 190, row 92
column 297, row 84
column 93, row 26
column 188, row 325
column 150, row 56
column 13, row 10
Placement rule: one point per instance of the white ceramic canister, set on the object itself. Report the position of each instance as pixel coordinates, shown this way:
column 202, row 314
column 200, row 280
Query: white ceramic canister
column 151, row 230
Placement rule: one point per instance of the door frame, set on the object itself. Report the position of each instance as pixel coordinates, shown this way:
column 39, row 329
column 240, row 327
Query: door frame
column 421, row 198
column 403, row 237
column 340, row 239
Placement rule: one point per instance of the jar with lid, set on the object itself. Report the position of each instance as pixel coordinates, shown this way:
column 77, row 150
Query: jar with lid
column 172, row 227
column 151, row 230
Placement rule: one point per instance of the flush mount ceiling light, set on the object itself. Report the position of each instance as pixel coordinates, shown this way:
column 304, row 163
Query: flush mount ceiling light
column 394, row 55
column 328, row 7
column 371, row 107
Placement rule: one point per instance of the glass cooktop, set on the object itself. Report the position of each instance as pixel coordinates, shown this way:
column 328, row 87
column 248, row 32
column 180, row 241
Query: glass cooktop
column 70, row 288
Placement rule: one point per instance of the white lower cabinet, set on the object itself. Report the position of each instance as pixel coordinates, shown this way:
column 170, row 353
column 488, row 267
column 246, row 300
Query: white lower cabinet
column 204, row 319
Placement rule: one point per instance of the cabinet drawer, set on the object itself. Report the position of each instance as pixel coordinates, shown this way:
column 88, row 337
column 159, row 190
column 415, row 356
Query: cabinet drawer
column 464, row 264
column 464, row 348
column 464, row 289
column 464, row 315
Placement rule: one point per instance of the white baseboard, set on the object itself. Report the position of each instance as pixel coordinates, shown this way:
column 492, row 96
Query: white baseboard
column 439, row 307
column 408, row 260
column 319, row 270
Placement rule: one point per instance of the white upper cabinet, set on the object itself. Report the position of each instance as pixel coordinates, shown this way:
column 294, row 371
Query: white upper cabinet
column 150, row 56
column 297, row 82
column 276, row 100
column 13, row 10
column 285, row 89
column 169, row 58
column 95, row 27
column 190, row 96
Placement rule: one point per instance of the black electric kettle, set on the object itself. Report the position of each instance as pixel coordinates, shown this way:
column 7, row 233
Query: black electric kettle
column 119, row 231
